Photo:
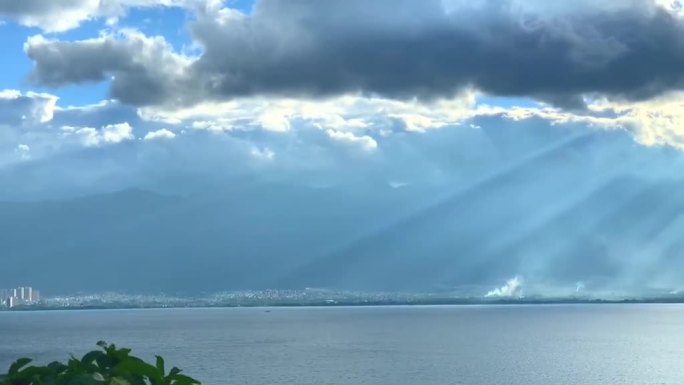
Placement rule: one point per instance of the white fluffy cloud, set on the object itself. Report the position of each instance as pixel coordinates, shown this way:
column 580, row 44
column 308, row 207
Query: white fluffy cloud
column 116, row 133
column 92, row 137
column 35, row 120
column 159, row 134
column 345, row 113
column 17, row 108
column 655, row 122
column 366, row 142
column 62, row 15
column 305, row 126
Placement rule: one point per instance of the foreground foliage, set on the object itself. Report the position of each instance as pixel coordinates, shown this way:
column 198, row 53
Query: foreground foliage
column 107, row 366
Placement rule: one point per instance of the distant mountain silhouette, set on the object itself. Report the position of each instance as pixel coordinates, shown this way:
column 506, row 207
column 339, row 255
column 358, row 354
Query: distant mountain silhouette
column 278, row 235
column 139, row 241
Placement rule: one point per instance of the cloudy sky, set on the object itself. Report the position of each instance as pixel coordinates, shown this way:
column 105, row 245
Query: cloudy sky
column 525, row 119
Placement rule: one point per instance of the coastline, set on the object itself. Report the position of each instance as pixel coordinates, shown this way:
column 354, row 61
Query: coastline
column 340, row 304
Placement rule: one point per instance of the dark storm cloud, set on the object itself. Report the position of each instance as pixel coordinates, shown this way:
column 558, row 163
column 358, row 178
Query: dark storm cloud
column 397, row 49
column 143, row 70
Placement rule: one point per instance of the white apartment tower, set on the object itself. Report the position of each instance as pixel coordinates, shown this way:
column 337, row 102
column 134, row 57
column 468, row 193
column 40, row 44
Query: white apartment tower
column 19, row 296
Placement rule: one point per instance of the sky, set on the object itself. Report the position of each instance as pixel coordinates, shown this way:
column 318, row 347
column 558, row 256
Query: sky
column 514, row 145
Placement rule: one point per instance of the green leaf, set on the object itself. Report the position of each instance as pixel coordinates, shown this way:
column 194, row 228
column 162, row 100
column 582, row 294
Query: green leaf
column 184, row 380
column 57, row 367
column 137, row 367
column 160, row 365
column 83, row 379
column 18, row 364
column 109, row 366
column 119, row 354
column 174, row 371
column 105, row 361
column 90, row 357
column 119, row 381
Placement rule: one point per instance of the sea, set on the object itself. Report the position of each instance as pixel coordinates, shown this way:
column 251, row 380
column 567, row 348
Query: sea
column 405, row 345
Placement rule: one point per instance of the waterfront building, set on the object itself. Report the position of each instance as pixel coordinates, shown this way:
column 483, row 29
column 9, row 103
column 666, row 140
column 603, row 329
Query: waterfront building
column 24, row 295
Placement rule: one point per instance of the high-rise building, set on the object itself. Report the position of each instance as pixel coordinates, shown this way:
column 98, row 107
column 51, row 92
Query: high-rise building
column 26, row 294
column 19, row 296
column 9, row 302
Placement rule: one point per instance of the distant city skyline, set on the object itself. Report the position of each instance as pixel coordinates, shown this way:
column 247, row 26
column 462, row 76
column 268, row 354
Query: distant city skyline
column 22, row 295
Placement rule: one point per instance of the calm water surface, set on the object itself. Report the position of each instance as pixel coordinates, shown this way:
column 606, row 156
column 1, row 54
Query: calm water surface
column 478, row 345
